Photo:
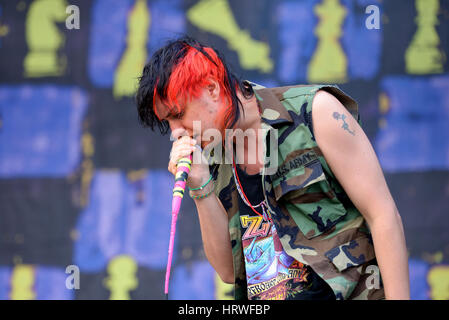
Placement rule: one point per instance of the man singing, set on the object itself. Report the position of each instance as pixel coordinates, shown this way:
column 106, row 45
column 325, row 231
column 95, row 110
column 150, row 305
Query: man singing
column 297, row 208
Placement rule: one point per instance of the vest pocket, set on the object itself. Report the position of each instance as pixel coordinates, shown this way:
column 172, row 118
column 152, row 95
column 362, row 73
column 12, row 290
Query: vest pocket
column 307, row 196
column 297, row 174
column 352, row 253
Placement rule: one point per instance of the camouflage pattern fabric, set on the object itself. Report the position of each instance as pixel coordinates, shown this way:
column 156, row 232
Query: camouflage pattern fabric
column 316, row 221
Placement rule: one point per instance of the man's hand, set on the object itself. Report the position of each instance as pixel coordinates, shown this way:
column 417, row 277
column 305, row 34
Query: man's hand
column 183, row 147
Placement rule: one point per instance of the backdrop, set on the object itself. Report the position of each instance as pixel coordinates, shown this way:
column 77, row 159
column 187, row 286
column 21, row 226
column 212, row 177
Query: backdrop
column 84, row 188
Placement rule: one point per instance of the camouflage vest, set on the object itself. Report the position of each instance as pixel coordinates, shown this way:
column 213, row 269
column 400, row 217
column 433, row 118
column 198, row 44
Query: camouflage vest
column 316, row 221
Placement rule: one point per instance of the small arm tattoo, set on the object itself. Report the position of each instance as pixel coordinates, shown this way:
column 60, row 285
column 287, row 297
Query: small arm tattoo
column 345, row 126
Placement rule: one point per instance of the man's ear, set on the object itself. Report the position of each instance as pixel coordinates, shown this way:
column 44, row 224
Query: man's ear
column 213, row 88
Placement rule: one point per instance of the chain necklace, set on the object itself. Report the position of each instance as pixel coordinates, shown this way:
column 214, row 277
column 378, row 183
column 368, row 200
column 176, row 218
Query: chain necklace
column 266, row 211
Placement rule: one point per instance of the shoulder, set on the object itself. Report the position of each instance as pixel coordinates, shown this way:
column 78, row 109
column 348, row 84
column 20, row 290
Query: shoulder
column 332, row 97
column 331, row 104
column 323, row 97
column 324, row 102
column 336, row 128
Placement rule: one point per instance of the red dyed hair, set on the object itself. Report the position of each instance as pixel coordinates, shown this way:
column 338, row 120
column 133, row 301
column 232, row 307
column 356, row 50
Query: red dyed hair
column 188, row 78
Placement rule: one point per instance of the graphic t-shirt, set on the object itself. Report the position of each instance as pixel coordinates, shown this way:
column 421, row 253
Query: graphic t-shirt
column 270, row 273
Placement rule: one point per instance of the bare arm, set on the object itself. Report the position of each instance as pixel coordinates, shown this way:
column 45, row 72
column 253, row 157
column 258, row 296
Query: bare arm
column 353, row 160
column 215, row 234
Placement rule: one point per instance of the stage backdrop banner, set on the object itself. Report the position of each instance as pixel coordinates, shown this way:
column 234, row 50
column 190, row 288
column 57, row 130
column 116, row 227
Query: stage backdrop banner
column 85, row 194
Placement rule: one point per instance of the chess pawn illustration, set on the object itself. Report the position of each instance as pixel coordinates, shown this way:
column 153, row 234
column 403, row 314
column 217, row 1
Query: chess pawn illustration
column 328, row 64
column 133, row 60
column 438, row 279
column 423, row 55
column 22, row 283
column 122, row 277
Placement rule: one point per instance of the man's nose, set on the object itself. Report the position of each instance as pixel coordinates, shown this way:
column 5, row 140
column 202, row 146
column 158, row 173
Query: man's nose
column 177, row 129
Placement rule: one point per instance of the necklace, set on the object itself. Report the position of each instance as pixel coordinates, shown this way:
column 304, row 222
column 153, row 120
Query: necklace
column 265, row 210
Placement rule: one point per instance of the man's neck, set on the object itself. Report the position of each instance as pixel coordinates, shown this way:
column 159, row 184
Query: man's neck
column 250, row 121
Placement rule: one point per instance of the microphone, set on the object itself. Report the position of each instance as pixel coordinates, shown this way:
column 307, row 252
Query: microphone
column 182, row 172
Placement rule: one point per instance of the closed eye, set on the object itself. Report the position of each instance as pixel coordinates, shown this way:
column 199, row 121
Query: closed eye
column 177, row 116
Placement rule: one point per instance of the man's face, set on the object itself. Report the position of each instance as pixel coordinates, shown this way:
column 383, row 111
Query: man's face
column 199, row 115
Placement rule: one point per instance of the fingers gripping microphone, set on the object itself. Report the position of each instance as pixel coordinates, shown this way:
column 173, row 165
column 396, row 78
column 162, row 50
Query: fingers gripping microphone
column 182, row 172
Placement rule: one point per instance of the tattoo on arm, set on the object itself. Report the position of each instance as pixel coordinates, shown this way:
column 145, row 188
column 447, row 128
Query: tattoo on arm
column 345, row 126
